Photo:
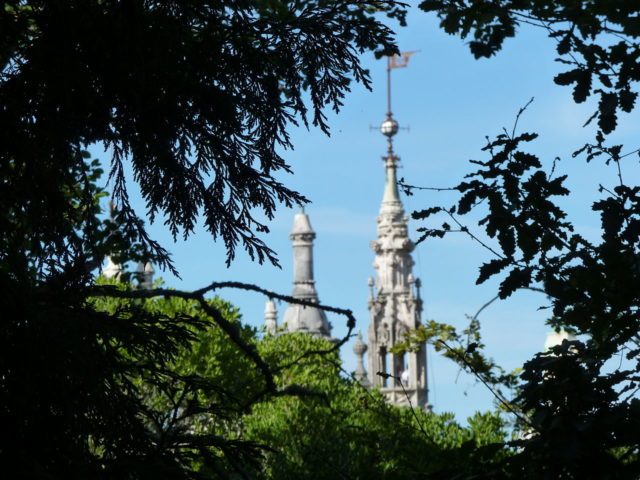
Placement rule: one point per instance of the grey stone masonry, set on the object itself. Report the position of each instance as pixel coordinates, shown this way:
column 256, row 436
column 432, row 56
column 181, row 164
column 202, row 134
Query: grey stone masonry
column 394, row 303
column 299, row 318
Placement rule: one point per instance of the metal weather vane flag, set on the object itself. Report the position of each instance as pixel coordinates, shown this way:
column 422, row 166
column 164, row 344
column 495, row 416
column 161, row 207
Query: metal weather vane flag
column 399, row 60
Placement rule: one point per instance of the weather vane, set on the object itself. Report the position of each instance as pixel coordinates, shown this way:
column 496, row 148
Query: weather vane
column 390, row 127
column 400, row 60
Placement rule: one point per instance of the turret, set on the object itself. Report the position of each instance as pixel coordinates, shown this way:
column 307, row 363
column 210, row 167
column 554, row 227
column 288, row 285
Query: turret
column 300, row 318
column 112, row 270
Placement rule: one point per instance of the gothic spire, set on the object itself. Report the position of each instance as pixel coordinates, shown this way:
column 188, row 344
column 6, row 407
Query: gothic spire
column 394, row 307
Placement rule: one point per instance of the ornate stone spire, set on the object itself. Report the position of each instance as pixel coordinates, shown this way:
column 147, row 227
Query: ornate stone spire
column 270, row 317
column 299, row 318
column 394, row 304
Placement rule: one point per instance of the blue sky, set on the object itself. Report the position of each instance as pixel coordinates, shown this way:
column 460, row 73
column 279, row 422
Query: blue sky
column 450, row 102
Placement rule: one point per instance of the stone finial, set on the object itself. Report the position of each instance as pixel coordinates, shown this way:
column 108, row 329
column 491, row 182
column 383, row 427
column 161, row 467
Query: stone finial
column 270, row 317
column 391, row 204
column 359, row 348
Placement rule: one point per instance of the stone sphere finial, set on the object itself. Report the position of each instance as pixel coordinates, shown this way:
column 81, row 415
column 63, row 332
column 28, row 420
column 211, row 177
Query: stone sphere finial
column 359, row 347
column 389, row 127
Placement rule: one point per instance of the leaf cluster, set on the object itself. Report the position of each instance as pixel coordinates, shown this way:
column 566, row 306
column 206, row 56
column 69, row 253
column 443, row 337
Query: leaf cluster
column 579, row 427
column 580, row 409
column 346, row 431
column 464, row 348
column 599, row 41
column 194, row 97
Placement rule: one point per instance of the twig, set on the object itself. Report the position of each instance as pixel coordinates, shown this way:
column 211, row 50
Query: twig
column 473, row 237
column 496, row 394
column 406, row 186
column 520, row 112
column 406, row 394
column 475, row 317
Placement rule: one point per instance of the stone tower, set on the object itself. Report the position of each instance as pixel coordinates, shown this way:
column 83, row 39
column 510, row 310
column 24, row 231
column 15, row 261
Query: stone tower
column 394, row 303
column 300, row 318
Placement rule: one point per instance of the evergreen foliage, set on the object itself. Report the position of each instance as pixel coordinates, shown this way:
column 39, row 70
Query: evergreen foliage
column 196, row 98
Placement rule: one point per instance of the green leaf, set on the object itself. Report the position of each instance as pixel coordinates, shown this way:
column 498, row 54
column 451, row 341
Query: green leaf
column 607, row 118
column 627, row 99
column 487, row 270
column 517, row 278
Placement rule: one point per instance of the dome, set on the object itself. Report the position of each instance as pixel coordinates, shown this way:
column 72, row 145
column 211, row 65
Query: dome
column 301, row 318
column 301, row 224
column 112, row 270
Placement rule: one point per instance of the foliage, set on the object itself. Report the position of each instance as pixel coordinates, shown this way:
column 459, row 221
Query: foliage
column 211, row 356
column 464, row 348
column 196, row 95
column 598, row 40
column 578, row 410
column 196, row 98
column 582, row 413
column 346, row 431
column 331, row 427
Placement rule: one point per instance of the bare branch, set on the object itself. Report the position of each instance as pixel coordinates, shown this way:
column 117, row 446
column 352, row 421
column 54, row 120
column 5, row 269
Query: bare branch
column 232, row 330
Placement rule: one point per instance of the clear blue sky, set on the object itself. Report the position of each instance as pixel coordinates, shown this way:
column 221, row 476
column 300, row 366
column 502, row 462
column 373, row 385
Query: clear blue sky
column 450, row 102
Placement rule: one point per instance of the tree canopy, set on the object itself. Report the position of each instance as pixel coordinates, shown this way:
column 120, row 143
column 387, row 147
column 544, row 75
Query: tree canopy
column 197, row 96
column 192, row 100
column 351, row 432
column 579, row 411
column 330, row 426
